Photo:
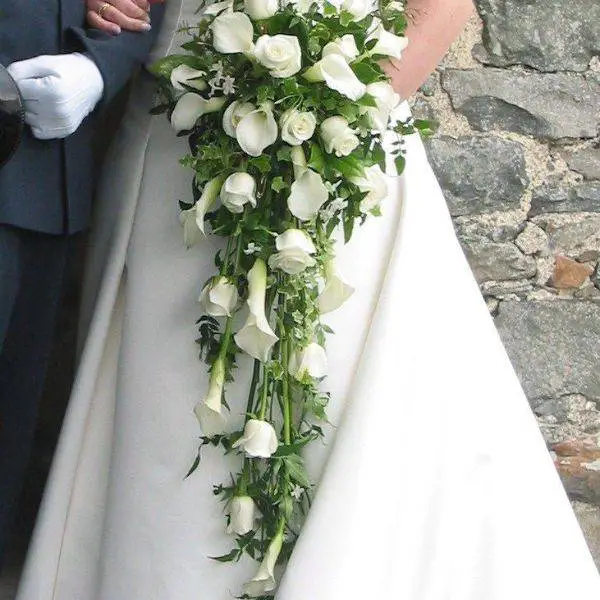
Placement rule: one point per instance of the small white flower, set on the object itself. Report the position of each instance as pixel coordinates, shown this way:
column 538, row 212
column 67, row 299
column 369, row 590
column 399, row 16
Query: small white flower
column 257, row 130
column 259, row 439
column 294, row 252
column 373, row 181
column 297, row 492
column 261, row 9
column 335, row 292
column 183, row 76
column 335, row 206
column 242, row 514
column 256, row 337
column 239, row 189
column 228, row 85
column 297, row 127
column 311, row 361
column 190, row 107
column 344, row 47
column 338, row 137
column 308, row 193
column 281, row 54
column 388, row 44
column 337, row 75
column 386, row 99
column 252, row 248
column 233, row 114
column 209, row 411
column 232, row 33
column 264, row 580
column 219, row 297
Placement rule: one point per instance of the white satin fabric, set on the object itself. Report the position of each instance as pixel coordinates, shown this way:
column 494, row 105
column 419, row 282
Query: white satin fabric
column 436, row 485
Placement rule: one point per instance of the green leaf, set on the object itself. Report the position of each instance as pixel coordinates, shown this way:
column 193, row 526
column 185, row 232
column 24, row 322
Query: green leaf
column 346, row 18
column 283, row 154
column 164, row 66
column 368, row 100
column 365, row 72
column 232, row 556
column 316, row 160
column 278, row 184
column 348, row 111
column 348, row 228
column 262, row 163
column 296, row 470
column 400, row 164
column 195, row 464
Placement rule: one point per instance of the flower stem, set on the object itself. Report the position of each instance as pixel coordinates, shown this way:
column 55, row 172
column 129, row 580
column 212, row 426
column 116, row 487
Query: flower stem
column 287, row 408
column 253, row 384
column 264, row 396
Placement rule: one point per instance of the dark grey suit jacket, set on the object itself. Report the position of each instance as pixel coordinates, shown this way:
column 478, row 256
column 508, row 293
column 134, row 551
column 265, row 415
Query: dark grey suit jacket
column 47, row 186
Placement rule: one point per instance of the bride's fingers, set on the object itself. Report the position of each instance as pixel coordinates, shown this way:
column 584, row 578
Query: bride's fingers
column 118, row 14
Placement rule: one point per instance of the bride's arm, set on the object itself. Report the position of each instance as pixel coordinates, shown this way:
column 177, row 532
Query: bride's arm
column 433, row 26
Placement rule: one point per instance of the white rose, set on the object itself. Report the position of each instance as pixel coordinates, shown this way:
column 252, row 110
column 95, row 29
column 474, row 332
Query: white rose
column 208, row 412
column 281, row 54
column 335, row 292
column 359, row 9
column 257, row 130
column 264, row 580
column 183, row 75
column 232, row 32
column 374, row 182
column 190, row 107
column 239, row 189
column 242, row 514
column 233, row 114
column 219, row 297
column 388, row 44
column 386, row 99
column 256, row 337
column 294, row 252
column 261, row 9
column 311, row 361
column 296, row 126
column 337, row 74
column 307, row 195
column 344, row 47
column 259, row 439
column 338, row 137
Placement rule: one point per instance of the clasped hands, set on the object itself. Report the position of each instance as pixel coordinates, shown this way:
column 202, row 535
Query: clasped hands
column 59, row 91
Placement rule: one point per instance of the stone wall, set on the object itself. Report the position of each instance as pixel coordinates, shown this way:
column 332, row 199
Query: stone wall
column 518, row 156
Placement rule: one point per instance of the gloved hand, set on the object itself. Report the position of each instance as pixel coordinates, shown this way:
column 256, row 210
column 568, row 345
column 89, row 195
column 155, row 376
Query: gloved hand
column 58, row 92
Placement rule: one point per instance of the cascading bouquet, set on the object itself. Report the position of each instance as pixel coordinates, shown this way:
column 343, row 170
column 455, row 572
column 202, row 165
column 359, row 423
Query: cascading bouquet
column 286, row 108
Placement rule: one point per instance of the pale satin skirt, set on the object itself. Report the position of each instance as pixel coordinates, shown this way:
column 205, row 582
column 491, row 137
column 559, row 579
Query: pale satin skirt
column 435, row 483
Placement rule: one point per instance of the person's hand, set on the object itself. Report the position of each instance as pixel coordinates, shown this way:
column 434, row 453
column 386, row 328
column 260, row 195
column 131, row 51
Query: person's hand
column 112, row 16
column 58, row 92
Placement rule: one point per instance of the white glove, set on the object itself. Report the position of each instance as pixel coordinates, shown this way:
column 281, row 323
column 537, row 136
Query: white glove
column 58, row 92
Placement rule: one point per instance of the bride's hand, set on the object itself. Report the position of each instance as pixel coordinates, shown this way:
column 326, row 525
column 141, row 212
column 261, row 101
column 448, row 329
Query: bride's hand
column 112, row 16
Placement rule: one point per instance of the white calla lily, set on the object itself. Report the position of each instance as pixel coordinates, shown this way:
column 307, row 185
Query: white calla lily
column 261, row 9
column 337, row 75
column 388, row 44
column 182, row 76
column 191, row 232
column 311, row 361
column 338, row 137
column 307, row 195
column 218, row 7
column 190, row 107
column 344, row 47
column 281, row 54
column 335, row 292
column 374, row 182
column 257, row 130
column 219, row 297
column 238, row 190
column 242, row 514
column 298, row 161
column 386, row 99
column 296, row 126
column 294, row 252
column 359, row 9
column 256, row 337
column 232, row 33
column 209, row 411
column 259, row 439
column 264, row 580
column 233, row 114
column 208, row 197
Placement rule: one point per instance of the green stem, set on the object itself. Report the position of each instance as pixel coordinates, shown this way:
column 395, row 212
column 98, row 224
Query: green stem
column 264, row 396
column 287, row 407
column 253, row 384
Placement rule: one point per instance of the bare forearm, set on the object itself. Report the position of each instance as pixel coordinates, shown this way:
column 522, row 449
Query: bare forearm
column 434, row 25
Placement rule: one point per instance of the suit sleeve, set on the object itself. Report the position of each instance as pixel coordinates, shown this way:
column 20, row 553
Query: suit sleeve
column 116, row 56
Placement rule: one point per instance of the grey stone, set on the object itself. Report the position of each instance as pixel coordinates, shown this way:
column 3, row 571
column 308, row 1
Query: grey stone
column 492, row 262
column 533, row 240
column 576, row 238
column 553, row 345
column 586, row 162
column 548, row 35
column 550, row 106
column 563, row 199
column 479, row 174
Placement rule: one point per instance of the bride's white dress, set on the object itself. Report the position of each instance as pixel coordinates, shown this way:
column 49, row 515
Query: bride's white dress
column 437, row 483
